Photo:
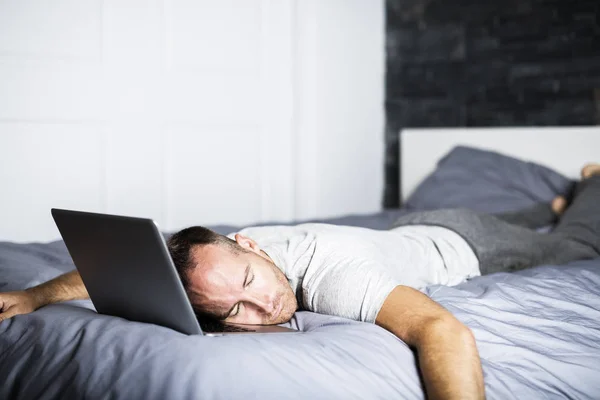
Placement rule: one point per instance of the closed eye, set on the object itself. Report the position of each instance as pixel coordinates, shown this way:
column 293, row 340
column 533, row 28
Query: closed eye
column 246, row 273
column 236, row 311
column 249, row 276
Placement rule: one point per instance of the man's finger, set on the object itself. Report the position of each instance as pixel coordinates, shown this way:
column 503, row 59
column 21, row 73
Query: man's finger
column 8, row 314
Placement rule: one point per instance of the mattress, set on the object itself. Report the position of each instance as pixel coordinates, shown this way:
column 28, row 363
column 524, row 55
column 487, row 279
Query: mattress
column 537, row 331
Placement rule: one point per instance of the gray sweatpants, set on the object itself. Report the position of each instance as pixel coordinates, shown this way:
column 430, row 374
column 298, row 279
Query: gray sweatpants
column 506, row 242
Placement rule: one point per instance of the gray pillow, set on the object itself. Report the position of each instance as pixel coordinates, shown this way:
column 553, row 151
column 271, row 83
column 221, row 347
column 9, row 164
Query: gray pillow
column 486, row 181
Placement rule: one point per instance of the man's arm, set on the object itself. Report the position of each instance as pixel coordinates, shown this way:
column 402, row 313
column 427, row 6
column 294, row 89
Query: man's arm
column 446, row 349
column 62, row 288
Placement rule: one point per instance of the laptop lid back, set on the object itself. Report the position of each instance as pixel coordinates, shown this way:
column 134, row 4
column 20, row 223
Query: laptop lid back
column 126, row 268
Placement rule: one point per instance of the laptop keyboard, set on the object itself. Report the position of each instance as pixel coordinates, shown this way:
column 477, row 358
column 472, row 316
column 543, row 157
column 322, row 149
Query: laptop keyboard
column 218, row 327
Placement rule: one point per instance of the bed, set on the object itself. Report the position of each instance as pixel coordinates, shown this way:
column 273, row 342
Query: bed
column 537, row 330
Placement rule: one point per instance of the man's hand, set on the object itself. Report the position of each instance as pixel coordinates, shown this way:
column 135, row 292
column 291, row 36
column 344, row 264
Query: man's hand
column 15, row 303
column 446, row 349
column 63, row 288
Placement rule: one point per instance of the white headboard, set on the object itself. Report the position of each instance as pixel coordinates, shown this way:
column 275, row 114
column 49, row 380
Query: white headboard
column 564, row 149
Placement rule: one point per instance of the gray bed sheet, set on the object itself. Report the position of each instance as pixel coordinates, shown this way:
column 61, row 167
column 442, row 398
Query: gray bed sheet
column 538, row 334
column 538, row 330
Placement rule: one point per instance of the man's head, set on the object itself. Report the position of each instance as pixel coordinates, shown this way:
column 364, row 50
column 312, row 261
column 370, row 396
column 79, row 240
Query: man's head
column 231, row 280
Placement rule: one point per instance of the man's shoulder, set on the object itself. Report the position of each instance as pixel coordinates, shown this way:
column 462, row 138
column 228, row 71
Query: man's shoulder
column 305, row 231
column 284, row 229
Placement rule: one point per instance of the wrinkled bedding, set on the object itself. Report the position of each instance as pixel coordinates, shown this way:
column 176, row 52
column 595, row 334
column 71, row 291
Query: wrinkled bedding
column 538, row 334
column 537, row 331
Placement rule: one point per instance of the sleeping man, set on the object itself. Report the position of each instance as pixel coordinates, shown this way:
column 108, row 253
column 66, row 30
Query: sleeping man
column 262, row 275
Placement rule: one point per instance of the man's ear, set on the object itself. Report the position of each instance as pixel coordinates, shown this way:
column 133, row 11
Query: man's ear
column 247, row 243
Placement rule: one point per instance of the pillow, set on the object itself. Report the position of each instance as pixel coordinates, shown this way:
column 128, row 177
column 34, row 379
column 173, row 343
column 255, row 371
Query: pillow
column 486, row 181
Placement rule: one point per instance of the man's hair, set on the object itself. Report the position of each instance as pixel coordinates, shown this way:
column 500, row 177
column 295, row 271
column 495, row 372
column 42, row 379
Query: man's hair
column 180, row 247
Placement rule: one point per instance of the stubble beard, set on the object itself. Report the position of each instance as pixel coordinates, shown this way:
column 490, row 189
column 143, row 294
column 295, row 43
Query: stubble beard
column 287, row 296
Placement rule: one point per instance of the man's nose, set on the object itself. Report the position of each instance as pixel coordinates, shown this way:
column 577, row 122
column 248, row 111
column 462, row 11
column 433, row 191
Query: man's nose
column 264, row 302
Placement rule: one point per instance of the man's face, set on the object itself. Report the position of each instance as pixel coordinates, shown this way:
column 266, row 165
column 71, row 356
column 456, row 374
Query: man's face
column 243, row 288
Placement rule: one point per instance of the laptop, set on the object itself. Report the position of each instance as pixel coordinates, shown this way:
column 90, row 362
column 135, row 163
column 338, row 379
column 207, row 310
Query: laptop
column 127, row 270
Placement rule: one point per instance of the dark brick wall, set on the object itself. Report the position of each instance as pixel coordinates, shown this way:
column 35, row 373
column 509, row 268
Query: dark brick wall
column 488, row 63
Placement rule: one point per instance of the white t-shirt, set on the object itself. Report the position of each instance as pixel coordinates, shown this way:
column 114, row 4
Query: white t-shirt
column 349, row 271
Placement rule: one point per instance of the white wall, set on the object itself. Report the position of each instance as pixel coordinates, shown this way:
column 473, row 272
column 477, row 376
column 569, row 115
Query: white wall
column 189, row 111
